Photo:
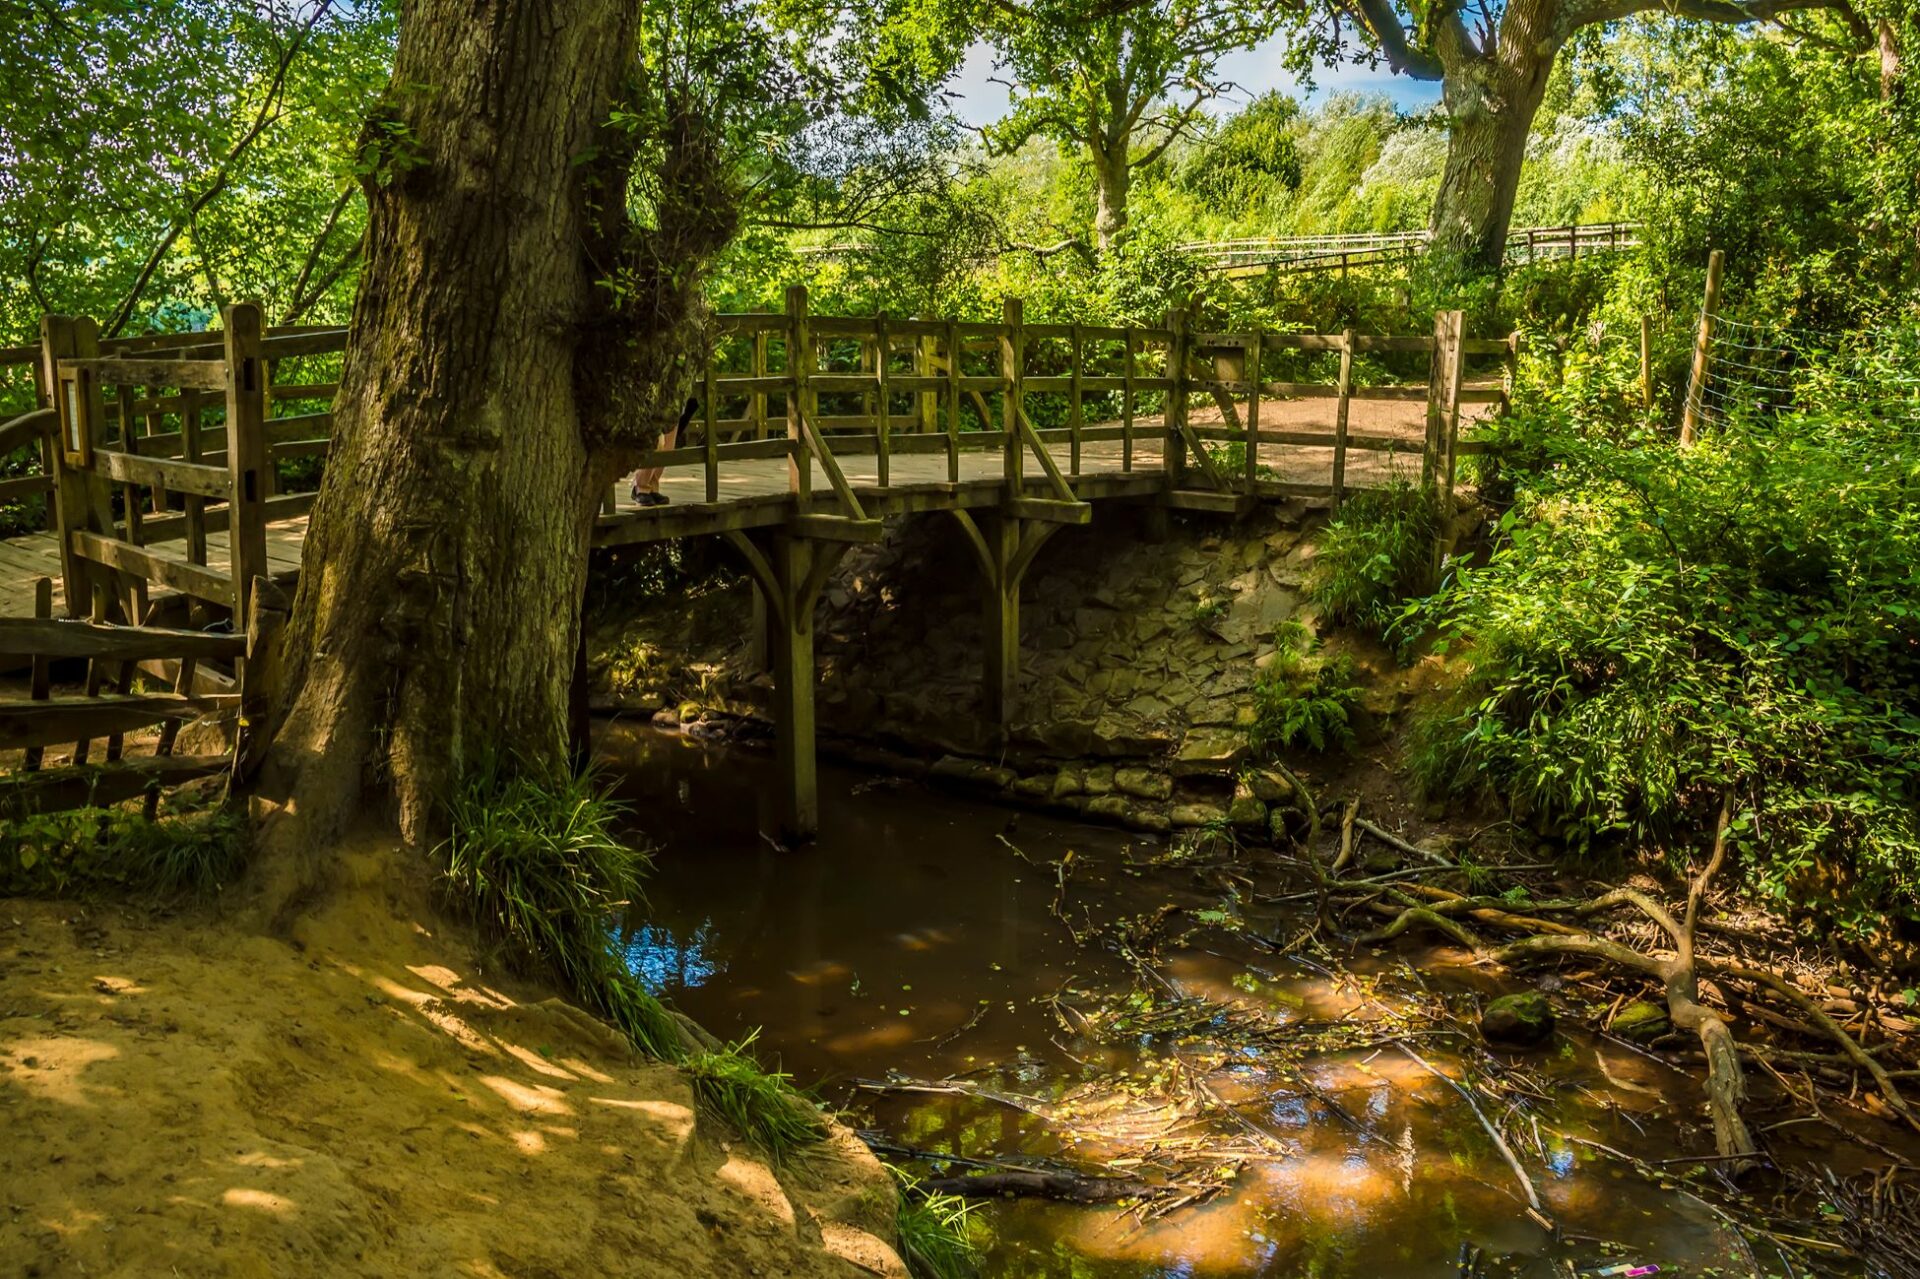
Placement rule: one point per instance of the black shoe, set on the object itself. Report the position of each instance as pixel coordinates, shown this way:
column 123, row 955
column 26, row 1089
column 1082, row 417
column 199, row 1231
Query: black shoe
column 633, row 494
column 652, row 499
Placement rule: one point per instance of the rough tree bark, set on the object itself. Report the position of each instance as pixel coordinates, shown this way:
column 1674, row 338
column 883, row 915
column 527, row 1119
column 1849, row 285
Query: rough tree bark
column 1492, row 82
column 1112, row 181
column 1491, row 98
column 438, row 607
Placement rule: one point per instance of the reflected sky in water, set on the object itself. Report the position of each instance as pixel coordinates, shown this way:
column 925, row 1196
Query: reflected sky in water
column 667, row 960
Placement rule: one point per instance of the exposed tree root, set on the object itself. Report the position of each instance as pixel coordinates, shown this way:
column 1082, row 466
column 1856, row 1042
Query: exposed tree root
column 1678, row 973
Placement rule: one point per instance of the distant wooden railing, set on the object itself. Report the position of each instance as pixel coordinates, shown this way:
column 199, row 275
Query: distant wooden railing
column 815, row 389
column 1309, row 253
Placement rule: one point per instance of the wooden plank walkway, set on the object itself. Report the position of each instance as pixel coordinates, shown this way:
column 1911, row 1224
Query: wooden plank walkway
column 754, row 493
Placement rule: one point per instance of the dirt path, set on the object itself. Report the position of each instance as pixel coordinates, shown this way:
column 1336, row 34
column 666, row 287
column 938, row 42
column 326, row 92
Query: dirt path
column 181, row 1098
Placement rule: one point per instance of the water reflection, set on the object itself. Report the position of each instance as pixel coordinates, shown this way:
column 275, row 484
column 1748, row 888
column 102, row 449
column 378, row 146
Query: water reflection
column 910, row 938
column 664, row 960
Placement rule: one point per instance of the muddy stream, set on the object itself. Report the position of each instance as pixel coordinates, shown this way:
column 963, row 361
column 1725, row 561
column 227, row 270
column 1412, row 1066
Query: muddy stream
column 926, row 938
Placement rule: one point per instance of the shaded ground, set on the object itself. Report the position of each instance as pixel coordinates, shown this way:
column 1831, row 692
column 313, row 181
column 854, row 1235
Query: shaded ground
column 179, row 1097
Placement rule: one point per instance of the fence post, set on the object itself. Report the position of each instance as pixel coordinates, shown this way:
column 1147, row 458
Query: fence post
column 1252, row 375
column 927, row 402
column 1013, row 354
column 1702, row 348
column 1510, row 370
column 799, row 364
column 757, row 403
column 1443, row 396
column 246, row 452
column 60, row 340
column 883, row 420
column 710, row 438
column 1174, row 448
column 1127, row 394
column 954, row 373
column 1074, row 422
column 1340, row 418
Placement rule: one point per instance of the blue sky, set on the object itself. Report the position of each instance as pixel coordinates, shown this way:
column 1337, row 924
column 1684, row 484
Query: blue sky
column 1255, row 70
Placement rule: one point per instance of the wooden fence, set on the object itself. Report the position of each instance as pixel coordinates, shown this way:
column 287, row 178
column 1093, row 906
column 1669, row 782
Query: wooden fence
column 56, row 733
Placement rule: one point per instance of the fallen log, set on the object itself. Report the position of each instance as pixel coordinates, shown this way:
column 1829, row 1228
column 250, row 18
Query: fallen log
column 1065, row 1187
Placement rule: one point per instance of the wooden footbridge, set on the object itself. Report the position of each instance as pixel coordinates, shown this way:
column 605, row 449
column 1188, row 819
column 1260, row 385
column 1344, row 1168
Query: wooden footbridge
column 179, row 468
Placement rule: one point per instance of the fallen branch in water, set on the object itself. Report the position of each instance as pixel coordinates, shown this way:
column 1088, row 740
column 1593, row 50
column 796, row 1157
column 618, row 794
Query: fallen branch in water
column 1063, row 1186
column 1678, row 974
column 1536, row 1209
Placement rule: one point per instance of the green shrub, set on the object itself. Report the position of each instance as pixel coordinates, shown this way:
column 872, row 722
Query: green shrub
column 936, row 1233
column 1660, row 626
column 536, row 861
column 85, row 849
column 1377, row 553
column 1302, row 698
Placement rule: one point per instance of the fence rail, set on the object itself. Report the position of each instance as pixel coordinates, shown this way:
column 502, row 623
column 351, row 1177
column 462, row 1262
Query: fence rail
column 1288, row 254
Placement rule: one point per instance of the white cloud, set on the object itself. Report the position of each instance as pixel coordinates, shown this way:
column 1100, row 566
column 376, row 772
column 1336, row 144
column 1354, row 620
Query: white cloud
column 978, row 101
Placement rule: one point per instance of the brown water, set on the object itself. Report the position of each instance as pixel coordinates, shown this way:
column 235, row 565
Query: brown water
column 909, row 938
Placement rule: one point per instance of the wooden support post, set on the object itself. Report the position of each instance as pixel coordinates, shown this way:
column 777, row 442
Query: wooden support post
column 246, row 450
column 1646, row 362
column 1175, row 417
column 1004, row 547
column 1510, row 370
column 1000, row 624
column 710, row 439
column 1456, row 378
column 1340, row 418
column 1703, row 349
column 1013, row 358
column 790, row 571
column 799, row 368
column 1127, row 394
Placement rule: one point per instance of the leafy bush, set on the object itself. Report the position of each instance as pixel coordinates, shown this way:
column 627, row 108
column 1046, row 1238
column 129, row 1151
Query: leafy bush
column 1661, row 626
column 1302, row 698
column 536, row 861
column 84, row 849
column 1377, row 553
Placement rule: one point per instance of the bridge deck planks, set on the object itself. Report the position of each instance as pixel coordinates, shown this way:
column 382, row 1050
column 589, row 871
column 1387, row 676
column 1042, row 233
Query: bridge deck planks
column 754, row 493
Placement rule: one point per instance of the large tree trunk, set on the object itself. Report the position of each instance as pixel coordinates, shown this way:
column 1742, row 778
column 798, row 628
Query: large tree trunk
column 438, row 608
column 1112, row 178
column 1491, row 100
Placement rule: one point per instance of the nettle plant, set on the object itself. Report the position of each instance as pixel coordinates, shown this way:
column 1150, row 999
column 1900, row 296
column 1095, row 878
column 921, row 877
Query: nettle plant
column 1659, row 626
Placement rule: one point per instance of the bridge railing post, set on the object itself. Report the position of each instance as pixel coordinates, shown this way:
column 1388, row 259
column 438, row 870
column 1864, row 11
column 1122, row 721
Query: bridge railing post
column 246, row 451
column 799, row 367
column 1173, row 446
column 954, row 373
column 1013, row 357
column 1252, row 375
column 883, row 417
column 1341, row 413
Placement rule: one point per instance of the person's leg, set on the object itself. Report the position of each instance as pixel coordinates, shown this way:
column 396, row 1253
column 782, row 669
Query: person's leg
column 646, row 480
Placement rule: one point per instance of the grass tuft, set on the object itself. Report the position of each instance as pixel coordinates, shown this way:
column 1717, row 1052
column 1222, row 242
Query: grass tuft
column 536, row 861
column 760, row 1104
column 936, row 1233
